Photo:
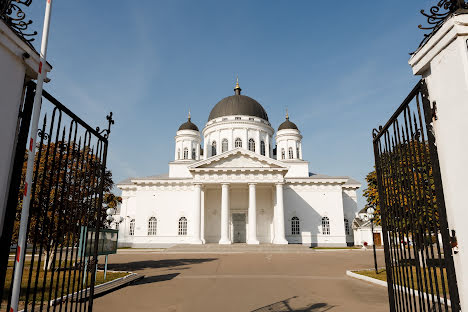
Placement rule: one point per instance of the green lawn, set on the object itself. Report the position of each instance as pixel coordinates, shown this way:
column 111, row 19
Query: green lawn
column 62, row 278
column 410, row 271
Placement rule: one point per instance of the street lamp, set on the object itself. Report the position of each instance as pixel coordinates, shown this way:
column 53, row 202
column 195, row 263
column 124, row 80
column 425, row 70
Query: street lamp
column 370, row 216
column 110, row 216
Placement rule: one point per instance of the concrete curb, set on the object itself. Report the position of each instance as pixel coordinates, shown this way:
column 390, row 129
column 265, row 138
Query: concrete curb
column 366, row 278
column 400, row 288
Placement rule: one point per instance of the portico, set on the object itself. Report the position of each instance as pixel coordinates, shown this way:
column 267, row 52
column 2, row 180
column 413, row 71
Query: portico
column 227, row 186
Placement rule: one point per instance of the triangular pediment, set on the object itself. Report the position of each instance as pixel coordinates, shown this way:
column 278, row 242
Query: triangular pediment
column 238, row 159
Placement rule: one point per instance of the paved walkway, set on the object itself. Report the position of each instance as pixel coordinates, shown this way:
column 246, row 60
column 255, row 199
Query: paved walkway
column 251, row 281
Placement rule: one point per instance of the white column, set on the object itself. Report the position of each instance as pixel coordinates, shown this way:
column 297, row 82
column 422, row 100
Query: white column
column 224, row 214
column 279, row 216
column 202, row 236
column 245, row 144
column 267, row 145
column 197, row 215
column 205, row 148
column 190, row 150
column 443, row 62
column 231, row 143
column 300, row 150
column 257, row 144
column 252, row 215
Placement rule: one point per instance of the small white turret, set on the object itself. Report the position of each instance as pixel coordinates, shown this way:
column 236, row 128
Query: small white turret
column 188, row 140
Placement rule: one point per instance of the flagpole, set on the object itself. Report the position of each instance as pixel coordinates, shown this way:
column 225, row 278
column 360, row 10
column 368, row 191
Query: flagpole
column 21, row 246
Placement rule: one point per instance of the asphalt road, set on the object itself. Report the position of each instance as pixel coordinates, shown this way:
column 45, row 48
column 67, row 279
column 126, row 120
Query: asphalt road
column 313, row 281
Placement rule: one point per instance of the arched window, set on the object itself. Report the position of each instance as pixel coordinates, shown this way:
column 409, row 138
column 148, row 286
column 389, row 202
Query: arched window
column 185, row 153
column 325, row 226
column 152, row 226
column 238, row 142
column 178, row 153
column 283, row 156
column 182, row 226
column 224, row 145
column 290, row 153
column 131, row 229
column 295, row 228
column 346, row 227
column 262, row 148
column 297, row 152
column 252, row 145
column 194, row 154
column 213, row 148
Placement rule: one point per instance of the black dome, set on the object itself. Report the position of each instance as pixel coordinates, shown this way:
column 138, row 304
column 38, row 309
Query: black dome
column 188, row 125
column 238, row 105
column 287, row 125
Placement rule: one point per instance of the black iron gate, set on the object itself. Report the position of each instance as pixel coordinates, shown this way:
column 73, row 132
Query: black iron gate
column 418, row 246
column 69, row 180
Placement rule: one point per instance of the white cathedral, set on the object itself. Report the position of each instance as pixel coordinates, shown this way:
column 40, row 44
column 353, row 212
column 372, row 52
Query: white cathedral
column 245, row 186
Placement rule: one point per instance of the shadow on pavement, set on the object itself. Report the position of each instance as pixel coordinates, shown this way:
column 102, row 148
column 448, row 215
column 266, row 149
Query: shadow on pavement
column 156, row 278
column 155, row 264
column 288, row 306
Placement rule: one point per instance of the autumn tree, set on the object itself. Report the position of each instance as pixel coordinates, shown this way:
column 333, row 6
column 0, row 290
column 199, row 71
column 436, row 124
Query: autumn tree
column 408, row 190
column 65, row 195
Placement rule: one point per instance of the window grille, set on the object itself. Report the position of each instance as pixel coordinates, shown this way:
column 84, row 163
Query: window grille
column 283, row 156
column 131, row 231
column 238, row 142
column 185, row 153
column 182, row 226
column 290, row 152
column 252, row 145
column 346, row 226
column 224, row 145
column 262, row 148
column 295, row 228
column 194, row 154
column 325, row 226
column 213, row 148
column 152, row 226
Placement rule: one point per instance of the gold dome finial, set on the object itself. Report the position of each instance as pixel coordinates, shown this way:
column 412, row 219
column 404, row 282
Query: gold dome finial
column 287, row 115
column 237, row 89
column 189, row 116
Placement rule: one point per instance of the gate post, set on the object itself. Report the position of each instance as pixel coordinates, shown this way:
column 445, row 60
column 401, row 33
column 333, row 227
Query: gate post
column 443, row 62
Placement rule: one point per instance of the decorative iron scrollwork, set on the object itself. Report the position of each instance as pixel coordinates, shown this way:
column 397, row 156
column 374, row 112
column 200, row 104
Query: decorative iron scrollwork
column 437, row 15
column 13, row 15
column 375, row 132
column 105, row 132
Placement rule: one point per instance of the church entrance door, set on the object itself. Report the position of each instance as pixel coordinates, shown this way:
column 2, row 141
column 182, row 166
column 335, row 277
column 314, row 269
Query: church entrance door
column 239, row 225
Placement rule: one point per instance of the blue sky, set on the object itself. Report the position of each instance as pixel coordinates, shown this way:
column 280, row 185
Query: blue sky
column 339, row 67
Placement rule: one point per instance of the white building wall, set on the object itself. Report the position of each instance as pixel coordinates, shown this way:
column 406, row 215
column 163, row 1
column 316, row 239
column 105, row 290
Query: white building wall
column 310, row 203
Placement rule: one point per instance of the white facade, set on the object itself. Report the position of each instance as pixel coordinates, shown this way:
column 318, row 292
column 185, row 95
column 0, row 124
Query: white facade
column 19, row 63
column 235, row 190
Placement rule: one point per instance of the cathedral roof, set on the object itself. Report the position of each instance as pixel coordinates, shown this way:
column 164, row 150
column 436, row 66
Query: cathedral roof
column 287, row 124
column 188, row 125
column 238, row 104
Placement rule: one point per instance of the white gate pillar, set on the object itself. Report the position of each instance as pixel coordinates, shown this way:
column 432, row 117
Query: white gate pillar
column 443, row 62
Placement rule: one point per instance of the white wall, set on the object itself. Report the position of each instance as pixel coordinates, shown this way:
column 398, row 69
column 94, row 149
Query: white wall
column 15, row 70
column 310, row 203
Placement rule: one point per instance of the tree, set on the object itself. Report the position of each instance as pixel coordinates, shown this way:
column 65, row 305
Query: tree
column 65, row 195
column 408, row 191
